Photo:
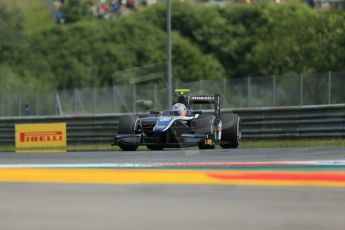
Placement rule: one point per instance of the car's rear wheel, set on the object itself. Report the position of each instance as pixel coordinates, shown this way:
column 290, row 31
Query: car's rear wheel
column 128, row 125
column 231, row 132
column 203, row 124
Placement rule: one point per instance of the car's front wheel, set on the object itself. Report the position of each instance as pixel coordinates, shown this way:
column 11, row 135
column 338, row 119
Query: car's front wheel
column 128, row 125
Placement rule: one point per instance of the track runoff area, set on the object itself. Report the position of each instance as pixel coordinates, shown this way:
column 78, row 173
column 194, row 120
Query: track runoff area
column 326, row 173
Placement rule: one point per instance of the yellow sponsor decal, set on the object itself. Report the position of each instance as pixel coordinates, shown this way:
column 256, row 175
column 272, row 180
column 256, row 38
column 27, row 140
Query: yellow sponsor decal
column 48, row 137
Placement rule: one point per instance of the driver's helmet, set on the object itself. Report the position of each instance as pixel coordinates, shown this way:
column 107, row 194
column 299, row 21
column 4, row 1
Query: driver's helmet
column 180, row 108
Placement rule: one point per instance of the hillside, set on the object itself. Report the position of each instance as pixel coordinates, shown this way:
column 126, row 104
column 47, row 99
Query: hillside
column 208, row 43
column 35, row 12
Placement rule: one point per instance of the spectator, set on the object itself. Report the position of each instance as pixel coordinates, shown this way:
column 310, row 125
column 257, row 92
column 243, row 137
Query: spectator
column 26, row 109
column 60, row 15
column 130, row 4
column 60, row 18
column 115, row 7
column 92, row 9
column 103, row 10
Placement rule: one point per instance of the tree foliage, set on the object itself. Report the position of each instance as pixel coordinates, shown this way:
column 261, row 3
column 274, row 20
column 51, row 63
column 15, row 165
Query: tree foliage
column 262, row 39
column 208, row 43
column 11, row 26
column 75, row 10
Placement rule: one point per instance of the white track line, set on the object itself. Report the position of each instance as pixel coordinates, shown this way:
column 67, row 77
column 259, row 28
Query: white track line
column 201, row 164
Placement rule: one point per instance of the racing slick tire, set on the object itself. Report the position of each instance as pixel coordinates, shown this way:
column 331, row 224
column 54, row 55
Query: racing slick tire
column 203, row 124
column 231, row 132
column 154, row 147
column 128, row 125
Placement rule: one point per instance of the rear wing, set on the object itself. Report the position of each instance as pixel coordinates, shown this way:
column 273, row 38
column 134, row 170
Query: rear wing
column 202, row 100
column 188, row 100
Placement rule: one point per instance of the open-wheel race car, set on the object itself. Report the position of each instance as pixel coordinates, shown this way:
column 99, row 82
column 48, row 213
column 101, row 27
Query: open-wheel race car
column 180, row 127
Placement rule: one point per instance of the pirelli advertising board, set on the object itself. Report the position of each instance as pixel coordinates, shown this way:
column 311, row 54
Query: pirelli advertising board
column 49, row 137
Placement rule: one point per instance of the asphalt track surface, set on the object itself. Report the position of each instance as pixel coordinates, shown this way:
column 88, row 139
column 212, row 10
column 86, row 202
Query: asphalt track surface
column 167, row 206
column 179, row 155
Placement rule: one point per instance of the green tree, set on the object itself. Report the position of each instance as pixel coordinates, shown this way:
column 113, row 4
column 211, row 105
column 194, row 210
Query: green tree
column 11, row 27
column 88, row 53
column 208, row 43
column 75, row 10
column 190, row 64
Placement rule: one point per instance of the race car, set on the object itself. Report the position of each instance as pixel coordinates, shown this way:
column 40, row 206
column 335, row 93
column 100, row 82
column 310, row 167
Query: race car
column 180, row 127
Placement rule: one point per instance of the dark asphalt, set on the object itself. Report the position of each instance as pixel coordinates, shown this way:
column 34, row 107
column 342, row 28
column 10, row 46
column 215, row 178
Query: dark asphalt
column 56, row 207
column 179, row 155
column 88, row 206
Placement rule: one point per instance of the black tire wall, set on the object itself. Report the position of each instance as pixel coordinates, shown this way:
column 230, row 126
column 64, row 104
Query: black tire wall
column 231, row 132
column 127, row 125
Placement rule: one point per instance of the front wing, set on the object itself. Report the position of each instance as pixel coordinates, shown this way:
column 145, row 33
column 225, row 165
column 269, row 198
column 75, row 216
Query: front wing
column 183, row 140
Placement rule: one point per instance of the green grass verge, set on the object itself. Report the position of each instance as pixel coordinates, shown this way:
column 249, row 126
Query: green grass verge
column 7, row 148
column 244, row 144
